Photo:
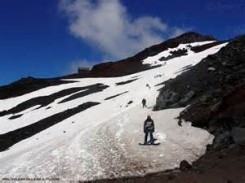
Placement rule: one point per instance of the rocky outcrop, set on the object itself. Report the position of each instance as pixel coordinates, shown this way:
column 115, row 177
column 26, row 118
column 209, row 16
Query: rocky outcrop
column 174, row 54
column 198, row 49
column 184, row 165
column 28, row 85
column 238, row 134
column 214, row 89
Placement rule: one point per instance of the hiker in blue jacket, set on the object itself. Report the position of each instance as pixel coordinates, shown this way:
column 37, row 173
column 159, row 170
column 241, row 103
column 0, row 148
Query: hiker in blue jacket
column 149, row 128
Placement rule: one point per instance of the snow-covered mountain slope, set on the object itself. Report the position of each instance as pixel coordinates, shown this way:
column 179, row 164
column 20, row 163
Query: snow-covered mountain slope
column 90, row 129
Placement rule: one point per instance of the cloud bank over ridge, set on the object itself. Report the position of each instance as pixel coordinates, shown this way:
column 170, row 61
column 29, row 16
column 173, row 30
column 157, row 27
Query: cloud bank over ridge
column 108, row 27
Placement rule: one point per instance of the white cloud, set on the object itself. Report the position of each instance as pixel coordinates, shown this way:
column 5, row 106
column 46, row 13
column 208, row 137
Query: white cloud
column 107, row 26
column 76, row 64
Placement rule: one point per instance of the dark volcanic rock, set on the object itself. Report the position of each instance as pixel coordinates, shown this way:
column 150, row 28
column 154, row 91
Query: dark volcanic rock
column 126, row 82
column 114, row 96
column 42, row 101
column 198, row 49
column 238, row 134
column 222, row 139
column 184, row 165
column 199, row 79
column 130, row 102
column 174, row 54
column 9, row 139
column 90, row 90
column 16, row 116
column 27, row 85
column 215, row 90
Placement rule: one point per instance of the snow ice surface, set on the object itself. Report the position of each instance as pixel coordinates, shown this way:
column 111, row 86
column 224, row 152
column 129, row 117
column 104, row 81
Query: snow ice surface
column 102, row 141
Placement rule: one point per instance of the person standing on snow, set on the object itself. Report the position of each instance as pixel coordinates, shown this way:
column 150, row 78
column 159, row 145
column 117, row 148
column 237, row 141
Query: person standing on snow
column 149, row 128
column 144, row 103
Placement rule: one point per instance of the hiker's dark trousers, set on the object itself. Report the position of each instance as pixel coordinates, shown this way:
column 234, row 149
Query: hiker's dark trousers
column 151, row 136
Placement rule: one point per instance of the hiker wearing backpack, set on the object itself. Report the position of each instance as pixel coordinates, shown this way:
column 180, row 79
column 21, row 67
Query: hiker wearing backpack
column 149, row 128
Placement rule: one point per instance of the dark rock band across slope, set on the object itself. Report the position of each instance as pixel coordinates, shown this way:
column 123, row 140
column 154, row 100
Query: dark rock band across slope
column 43, row 101
column 9, row 139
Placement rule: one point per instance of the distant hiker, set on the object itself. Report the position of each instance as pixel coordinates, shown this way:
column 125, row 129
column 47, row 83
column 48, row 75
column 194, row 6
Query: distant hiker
column 144, row 103
column 147, row 85
column 180, row 122
column 149, row 127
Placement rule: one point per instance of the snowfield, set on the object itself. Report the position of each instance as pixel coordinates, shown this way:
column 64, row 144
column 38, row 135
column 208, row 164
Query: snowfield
column 102, row 141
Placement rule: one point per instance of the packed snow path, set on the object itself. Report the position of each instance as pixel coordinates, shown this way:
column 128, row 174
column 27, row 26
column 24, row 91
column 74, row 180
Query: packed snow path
column 102, row 141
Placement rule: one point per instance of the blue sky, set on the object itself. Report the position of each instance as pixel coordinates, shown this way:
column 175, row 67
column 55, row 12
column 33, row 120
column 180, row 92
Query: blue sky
column 48, row 38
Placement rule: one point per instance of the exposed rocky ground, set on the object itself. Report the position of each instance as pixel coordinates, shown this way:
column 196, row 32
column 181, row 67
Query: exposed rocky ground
column 226, row 166
column 27, row 85
column 114, row 96
column 174, row 54
column 215, row 90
